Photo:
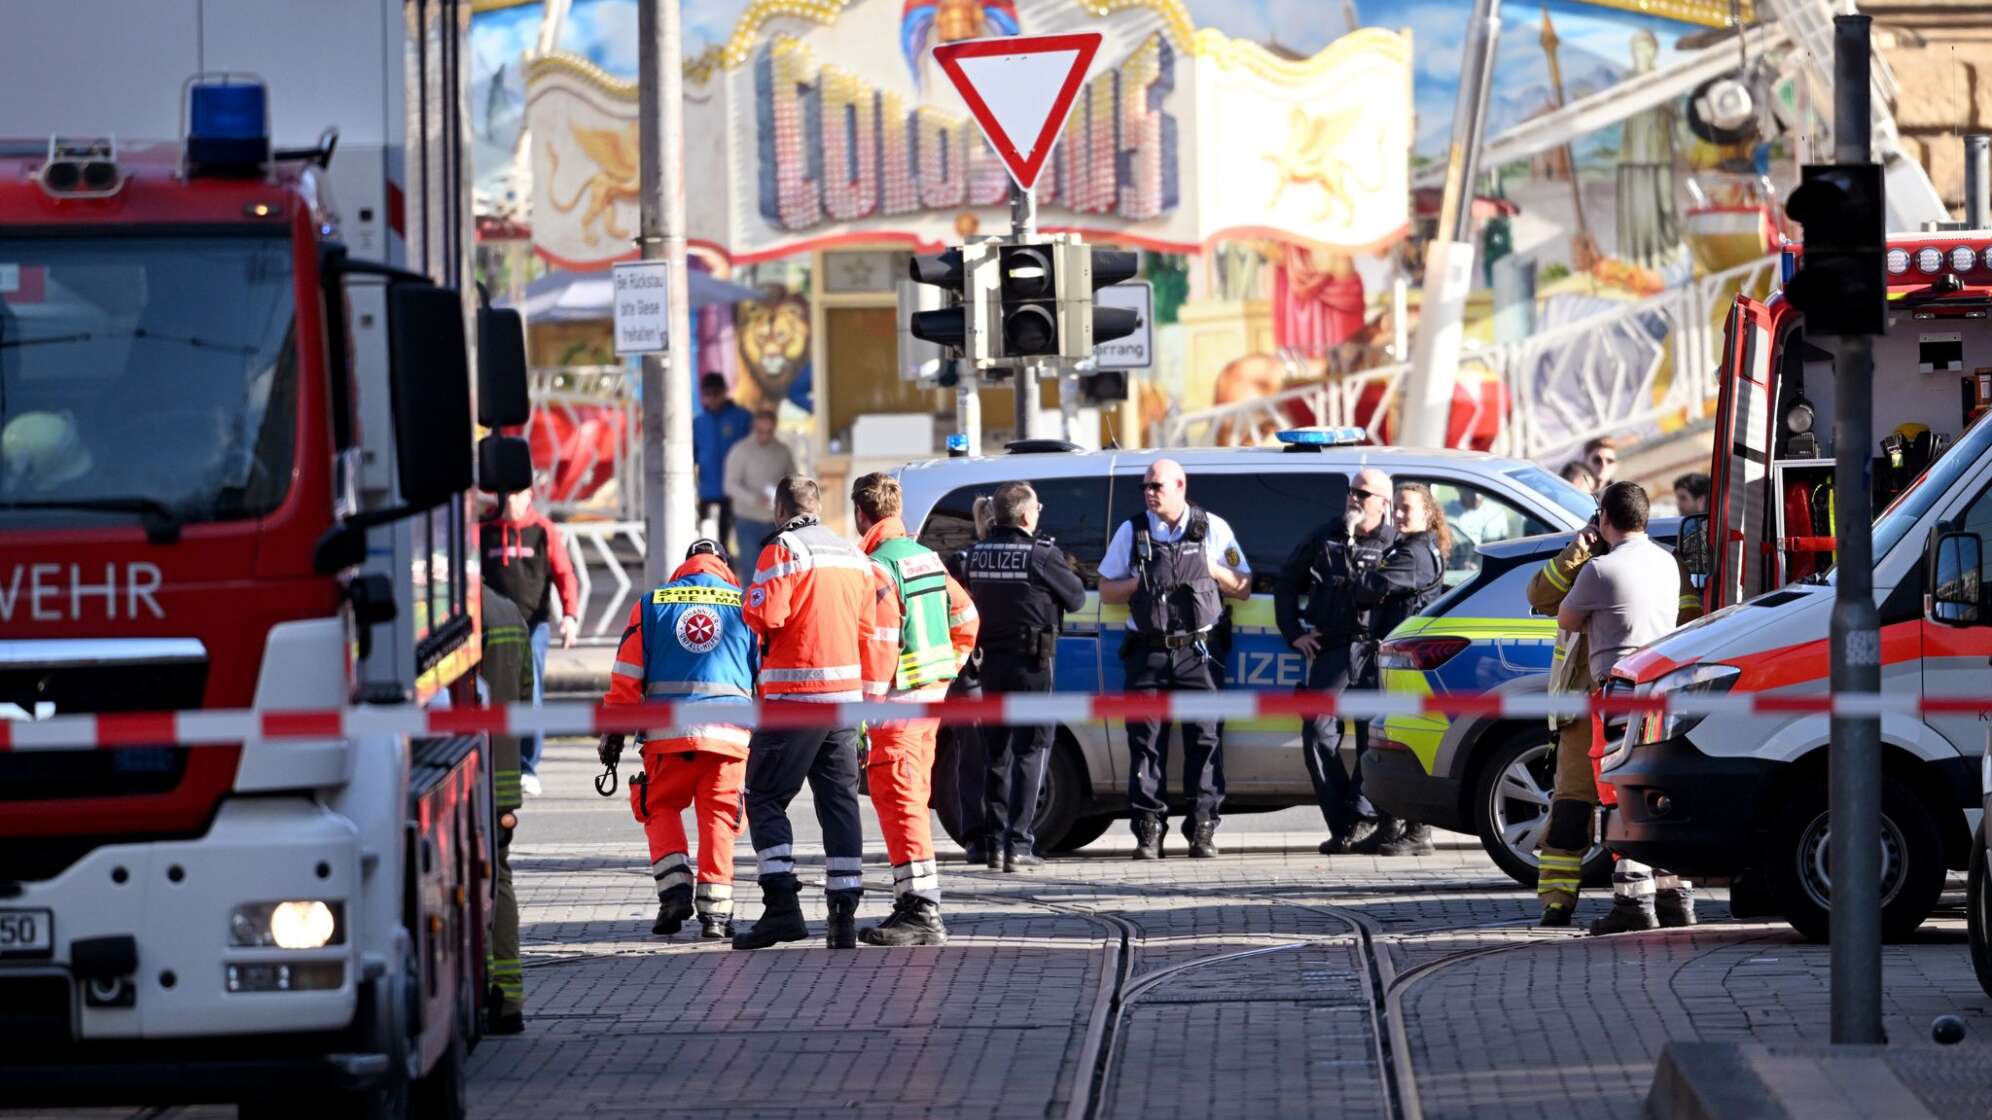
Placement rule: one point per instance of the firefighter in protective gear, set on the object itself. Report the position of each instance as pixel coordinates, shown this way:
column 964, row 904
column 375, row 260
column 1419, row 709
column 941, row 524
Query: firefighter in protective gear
column 1574, row 799
column 688, row 645
column 814, row 603
column 1022, row 585
column 1173, row 567
column 927, row 626
column 507, row 669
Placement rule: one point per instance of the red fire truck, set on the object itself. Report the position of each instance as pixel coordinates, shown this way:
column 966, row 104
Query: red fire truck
column 1745, row 795
column 236, row 458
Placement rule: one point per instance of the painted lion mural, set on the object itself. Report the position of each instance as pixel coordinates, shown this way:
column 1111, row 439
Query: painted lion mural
column 774, row 349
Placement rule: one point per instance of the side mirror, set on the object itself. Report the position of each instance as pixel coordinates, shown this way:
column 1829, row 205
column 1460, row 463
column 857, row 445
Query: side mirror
column 1953, row 585
column 504, row 464
column 1692, row 547
column 502, row 397
column 429, row 376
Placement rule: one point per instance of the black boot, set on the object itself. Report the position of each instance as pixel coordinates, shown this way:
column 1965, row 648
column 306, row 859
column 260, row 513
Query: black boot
column 1147, row 838
column 673, row 907
column 715, row 926
column 1416, row 840
column 842, row 932
column 976, row 852
column 1675, row 907
column 781, row 915
column 914, row 921
column 1388, row 830
column 1626, row 916
column 1203, row 843
column 1360, row 829
column 1555, row 916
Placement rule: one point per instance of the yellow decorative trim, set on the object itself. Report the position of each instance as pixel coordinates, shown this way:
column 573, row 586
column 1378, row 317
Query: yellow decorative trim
column 561, row 63
column 1706, row 13
column 477, row 6
column 1175, row 17
column 1231, row 53
column 740, row 44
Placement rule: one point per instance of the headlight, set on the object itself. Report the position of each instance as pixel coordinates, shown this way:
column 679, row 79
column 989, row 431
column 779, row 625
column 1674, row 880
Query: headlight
column 1696, row 679
column 308, row 924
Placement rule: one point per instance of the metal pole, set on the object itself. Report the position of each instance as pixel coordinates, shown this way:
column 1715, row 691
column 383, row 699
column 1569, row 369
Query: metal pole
column 1428, row 386
column 968, row 406
column 1854, row 776
column 1978, row 180
column 1023, row 228
column 670, row 503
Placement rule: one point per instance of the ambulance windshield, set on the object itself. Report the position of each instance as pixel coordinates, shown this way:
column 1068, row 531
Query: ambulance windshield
column 145, row 374
column 1902, row 515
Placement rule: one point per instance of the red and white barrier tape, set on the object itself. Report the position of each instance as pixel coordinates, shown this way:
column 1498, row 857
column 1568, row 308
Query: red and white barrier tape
column 224, row 728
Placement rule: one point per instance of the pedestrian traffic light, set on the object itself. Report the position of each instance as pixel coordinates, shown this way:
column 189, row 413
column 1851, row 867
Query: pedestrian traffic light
column 1106, row 385
column 1027, row 283
column 1840, row 284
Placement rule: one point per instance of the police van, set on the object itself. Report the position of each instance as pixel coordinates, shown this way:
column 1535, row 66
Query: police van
column 1272, row 497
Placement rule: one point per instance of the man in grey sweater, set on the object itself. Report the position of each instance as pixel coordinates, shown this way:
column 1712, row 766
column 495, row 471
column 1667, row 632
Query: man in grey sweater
column 753, row 467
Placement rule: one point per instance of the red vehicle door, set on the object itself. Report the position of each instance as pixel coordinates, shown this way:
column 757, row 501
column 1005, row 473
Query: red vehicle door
column 1741, row 464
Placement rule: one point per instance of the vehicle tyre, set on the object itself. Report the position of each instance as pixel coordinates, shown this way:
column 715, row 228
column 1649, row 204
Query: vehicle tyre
column 1978, row 911
column 946, row 783
column 1912, row 860
column 388, row 1100
column 1084, row 831
column 1511, row 792
column 442, row 1094
column 1060, row 797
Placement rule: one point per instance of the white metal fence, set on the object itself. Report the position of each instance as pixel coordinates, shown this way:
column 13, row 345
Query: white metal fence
column 1620, row 370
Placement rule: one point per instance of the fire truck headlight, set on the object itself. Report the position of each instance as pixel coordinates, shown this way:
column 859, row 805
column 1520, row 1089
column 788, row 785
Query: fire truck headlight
column 307, row 924
column 1692, row 680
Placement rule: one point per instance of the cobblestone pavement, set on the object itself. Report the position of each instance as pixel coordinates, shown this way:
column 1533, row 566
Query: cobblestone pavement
column 1268, row 982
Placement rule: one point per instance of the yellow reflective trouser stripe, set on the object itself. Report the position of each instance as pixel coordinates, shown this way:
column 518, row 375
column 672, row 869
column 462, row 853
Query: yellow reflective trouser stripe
column 510, row 978
column 1555, row 577
column 1559, row 873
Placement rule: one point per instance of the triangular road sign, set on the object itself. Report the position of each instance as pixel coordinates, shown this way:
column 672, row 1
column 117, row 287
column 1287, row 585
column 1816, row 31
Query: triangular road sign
column 1020, row 90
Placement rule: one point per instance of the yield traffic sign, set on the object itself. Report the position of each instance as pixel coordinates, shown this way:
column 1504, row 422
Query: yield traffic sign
column 1020, row 90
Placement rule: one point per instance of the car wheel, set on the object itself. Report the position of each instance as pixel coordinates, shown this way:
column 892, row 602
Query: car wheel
column 1059, row 798
column 1978, row 911
column 946, row 784
column 1511, row 794
column 1084, row 831
column 1912, row 860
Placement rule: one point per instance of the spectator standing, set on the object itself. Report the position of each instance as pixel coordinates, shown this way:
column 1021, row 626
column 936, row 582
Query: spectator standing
column 525, row 560
column 753, row 467
column 718, row 426
column 1601, row 458
column 970, row 764
column 1691, row 494
column 1577, row 474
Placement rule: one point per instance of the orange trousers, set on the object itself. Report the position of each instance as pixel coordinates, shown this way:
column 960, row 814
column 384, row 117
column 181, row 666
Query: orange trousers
column 711, row 783
column 899, row 771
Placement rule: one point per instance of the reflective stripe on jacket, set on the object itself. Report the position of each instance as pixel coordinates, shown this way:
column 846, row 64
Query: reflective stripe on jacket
column 814, row 604
column 926, row 627
column 688, row 643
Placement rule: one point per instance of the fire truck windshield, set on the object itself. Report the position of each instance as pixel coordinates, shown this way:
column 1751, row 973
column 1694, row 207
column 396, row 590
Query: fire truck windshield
column 1902, row 515
column 145, row 375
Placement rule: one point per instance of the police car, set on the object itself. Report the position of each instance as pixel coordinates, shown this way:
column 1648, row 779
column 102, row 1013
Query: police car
column 1272, row 497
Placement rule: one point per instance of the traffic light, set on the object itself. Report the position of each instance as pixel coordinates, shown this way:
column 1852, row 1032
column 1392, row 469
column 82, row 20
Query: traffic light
column 1840, row 285
column 1027, row 282
column 947, row 326
column 1110, row 267
column 1105, row 385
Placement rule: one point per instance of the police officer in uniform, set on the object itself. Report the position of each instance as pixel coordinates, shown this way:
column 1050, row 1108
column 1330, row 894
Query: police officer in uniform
column 1338, row 631
column 1174, row 567
column 1022, row 587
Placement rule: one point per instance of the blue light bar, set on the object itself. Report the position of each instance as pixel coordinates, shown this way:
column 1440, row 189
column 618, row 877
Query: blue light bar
column 1324, row 437
column 228, row 126
column 957, row 445
column 1787, row 265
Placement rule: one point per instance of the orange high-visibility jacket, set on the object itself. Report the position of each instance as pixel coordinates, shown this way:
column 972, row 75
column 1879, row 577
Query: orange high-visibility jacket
column 963, row 623
column 814, row 604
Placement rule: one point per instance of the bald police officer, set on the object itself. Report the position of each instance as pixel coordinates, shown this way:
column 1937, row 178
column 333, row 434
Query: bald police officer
column 1173, row 567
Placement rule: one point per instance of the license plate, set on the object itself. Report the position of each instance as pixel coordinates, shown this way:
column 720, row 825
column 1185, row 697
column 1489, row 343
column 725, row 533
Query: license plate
column 27, row 933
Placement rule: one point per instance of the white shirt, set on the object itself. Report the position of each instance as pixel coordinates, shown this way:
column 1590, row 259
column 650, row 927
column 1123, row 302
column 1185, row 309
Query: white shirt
column 1222, row 542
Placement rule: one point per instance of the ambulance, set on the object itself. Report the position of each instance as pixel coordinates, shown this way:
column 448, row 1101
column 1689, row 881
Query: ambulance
column 1745, row 795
